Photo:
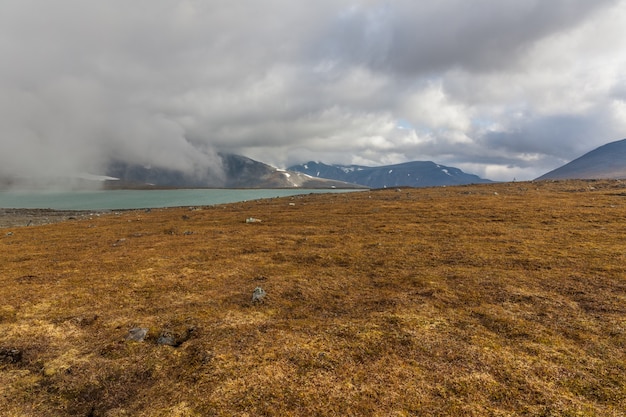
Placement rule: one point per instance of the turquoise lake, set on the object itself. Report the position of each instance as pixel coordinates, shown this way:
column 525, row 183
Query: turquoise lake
column 137, row 199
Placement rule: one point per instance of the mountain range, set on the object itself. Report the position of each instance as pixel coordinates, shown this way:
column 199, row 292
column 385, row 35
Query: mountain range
column 411, row 174
column 605, row 162
column 237, row 172
column 242, row 172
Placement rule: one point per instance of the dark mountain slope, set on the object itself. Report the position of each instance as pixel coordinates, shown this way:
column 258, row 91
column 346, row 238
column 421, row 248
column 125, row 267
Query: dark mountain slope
column 606, row 162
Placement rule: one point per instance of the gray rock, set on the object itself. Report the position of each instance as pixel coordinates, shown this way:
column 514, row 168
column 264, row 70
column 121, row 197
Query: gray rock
column 168, row 339
column 175, row 338
column 258, row 295
column 137, row 334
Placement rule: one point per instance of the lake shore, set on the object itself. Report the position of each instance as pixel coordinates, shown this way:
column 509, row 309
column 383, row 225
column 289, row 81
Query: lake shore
column 10, row 217
column 99, row 200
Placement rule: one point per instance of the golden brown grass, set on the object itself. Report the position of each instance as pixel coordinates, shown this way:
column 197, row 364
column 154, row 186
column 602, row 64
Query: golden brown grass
column 486, row 300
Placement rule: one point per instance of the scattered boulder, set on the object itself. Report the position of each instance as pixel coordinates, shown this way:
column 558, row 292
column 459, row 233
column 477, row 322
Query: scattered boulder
column 258, row 295
column 175, row 339
column 137, row 334
column 253, row 220
column 167, row 338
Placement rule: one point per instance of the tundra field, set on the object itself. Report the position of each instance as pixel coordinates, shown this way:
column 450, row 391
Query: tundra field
column 483, row 300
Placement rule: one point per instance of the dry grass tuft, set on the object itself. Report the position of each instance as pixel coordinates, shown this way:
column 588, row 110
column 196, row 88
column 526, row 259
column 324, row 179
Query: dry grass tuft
column 501, row 299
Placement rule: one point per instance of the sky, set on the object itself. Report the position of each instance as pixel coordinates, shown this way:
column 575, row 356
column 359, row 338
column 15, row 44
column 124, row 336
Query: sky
column 504, row 89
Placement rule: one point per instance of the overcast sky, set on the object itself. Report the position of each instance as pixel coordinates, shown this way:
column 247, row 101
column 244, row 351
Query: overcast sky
column 499, row 88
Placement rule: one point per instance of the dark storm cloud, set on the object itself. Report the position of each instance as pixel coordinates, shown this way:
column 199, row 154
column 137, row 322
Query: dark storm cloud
column 427, row 36
column 500, row 87
column 565, row 136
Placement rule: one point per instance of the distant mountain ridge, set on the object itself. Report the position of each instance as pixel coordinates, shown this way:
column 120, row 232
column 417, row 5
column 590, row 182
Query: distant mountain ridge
column 413, row 174
column 237, row 172
column 605, row 162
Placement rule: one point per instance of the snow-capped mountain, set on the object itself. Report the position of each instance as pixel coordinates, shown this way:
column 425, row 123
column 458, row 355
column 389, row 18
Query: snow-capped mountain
column 236, row 172
column 413, row 174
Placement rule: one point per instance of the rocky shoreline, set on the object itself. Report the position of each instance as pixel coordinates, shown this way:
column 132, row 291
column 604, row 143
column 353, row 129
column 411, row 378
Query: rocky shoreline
column 34, row 217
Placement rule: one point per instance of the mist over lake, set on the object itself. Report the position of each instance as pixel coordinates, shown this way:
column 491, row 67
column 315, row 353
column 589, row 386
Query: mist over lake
column 136, row 199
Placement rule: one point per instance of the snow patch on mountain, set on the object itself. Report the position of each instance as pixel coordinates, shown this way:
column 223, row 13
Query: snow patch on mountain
column 417, row 173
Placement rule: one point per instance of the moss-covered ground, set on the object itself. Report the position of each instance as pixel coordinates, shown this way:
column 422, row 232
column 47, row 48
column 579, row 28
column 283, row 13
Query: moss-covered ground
column 484, row 300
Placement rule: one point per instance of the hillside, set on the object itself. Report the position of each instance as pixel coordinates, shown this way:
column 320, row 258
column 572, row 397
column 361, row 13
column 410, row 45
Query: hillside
column 606, row 162
column 409, row 174
column 492, row 299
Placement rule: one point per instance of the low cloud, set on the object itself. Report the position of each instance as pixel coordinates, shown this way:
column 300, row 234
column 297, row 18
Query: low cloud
column 499, row 88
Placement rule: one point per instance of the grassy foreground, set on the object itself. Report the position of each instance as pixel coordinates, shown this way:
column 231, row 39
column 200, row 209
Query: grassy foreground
column 486, row 300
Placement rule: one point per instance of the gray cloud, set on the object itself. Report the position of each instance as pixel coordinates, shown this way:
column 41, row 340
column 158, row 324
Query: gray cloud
column 430, row 36
column 501, row 88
